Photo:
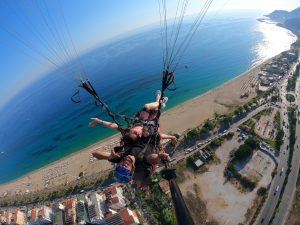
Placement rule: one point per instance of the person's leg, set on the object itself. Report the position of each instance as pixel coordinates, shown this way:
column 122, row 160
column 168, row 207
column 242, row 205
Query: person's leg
column 154, row 105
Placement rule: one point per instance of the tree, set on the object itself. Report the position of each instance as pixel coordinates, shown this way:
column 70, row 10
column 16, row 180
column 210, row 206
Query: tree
column 243, row 152
column 209, row 125
column 251, row 142
column 290, row 98
column 229, row 135
column 192, row 133
column 227, row 120
column 274, row 98
column 279, row 139
column 262, row 191
column 169, row 217
column 216, row 142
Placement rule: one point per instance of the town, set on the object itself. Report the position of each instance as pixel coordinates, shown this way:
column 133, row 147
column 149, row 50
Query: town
column 235, row 168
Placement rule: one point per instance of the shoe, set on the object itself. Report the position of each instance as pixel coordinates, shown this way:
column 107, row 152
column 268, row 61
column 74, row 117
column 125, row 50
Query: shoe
column 163, row 102
column 158, row 94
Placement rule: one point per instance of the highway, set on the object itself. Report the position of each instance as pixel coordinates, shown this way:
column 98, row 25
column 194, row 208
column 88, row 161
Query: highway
column 277, row 183
column 278, row 179
column 290, row 189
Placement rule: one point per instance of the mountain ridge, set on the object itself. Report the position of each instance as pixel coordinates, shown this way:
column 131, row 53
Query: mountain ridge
column 290, row 20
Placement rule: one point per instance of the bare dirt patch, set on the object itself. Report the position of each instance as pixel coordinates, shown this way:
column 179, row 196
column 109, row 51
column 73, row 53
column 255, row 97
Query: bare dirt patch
column 258, row 168
column 221, row 198
column 265, row 126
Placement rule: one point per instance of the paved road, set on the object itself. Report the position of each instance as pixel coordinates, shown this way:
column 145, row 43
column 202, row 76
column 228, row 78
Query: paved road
column 278, row 180
column 290, row 189
column 181, row 154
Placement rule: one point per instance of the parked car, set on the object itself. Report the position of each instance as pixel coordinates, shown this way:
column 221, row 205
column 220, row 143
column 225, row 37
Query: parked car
column 199, row 145
column 207, row 153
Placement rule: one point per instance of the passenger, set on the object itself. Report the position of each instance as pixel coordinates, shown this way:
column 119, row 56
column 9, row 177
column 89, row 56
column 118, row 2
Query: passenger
column 140, row 155
column 138, row 131
column 140, row 144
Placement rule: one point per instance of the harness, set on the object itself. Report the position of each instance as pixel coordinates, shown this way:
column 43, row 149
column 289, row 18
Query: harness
column 167, row 80
column 152, row 126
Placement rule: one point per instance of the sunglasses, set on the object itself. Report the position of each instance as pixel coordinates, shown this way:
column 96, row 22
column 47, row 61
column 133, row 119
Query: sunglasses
column 122, row 170
column 122, row 175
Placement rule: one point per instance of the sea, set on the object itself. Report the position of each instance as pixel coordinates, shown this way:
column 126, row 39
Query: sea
column 41, row 124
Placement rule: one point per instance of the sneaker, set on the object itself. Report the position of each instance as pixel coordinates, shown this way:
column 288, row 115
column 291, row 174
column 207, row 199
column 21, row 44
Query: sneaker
column 158, row 94
column 163, row 102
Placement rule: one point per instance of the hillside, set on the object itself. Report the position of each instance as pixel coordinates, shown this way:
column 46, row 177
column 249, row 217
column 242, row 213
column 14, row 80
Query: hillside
column 289, row 20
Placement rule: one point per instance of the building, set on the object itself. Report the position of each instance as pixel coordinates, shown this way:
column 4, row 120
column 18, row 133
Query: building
column 264, row 82
column 42, row 215
column 58, row 217
column 17, row 217
column 246, row 128
column 124, row 217
column 45, row 215
column 2, row 216
column 32, row 216
column 198, row 163
column 290, row 55
column 114, row 197
column 274, row 68
column 7, row 216
column 96, row 206
column 81, row 213
column 69, row 212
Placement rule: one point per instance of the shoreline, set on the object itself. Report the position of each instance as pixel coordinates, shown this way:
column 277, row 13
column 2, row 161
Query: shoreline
column 177, row 119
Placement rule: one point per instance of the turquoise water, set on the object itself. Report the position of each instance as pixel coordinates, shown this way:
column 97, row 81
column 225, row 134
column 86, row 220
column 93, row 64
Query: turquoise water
column 41, row 124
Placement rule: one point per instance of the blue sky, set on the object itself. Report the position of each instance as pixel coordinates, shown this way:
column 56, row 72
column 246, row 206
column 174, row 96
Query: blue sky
column 22, row 29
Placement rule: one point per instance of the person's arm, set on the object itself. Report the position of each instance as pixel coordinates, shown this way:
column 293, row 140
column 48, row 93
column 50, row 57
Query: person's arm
column 105, row 155
column 156, row 158
column 104, row 123
column 165, row 136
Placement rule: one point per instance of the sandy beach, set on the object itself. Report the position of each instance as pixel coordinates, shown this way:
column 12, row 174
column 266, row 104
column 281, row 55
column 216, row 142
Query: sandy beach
column 186, row 115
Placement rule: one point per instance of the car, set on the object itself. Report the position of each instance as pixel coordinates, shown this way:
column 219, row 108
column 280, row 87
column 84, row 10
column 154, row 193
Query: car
column 188, row 150
column 282, row 169
column 207, row 153
column 199, row 145
column 276, row 190
column 262, row 220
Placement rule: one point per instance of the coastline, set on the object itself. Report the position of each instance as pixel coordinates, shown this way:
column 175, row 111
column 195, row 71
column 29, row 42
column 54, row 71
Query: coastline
column 188, row 114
